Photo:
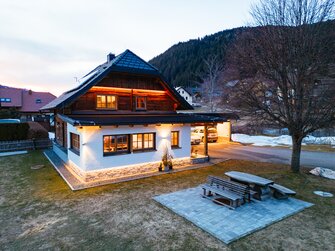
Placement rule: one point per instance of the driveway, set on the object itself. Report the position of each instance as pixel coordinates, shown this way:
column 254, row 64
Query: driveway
column 269, row 154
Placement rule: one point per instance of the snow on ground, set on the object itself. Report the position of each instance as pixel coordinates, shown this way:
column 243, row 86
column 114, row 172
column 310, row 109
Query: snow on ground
column 280, row 140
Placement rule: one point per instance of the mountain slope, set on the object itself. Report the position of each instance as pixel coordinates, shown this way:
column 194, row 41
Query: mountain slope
column 184, row 62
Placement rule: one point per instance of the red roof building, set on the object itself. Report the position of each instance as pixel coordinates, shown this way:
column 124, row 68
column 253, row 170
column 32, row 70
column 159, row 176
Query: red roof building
column 27, row 102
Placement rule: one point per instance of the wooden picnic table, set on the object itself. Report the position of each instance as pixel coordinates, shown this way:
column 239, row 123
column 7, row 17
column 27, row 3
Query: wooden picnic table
column 258, row 184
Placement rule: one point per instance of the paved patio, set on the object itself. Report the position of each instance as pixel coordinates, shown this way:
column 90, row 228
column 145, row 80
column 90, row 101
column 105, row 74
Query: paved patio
column 223, row 223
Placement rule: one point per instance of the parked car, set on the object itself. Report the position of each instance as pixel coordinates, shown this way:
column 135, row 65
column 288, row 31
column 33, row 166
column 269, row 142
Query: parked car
column 195, row 139
column 212, row 134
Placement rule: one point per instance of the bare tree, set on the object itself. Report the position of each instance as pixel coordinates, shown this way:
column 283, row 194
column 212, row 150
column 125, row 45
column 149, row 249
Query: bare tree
column 211, row 81
column 283, row 65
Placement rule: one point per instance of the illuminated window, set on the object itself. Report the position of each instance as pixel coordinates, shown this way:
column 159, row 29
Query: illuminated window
column 107, row 101
column 175, row 139
column 75, row 143
column 143, row 141
column 116, row 144
column 141, row 103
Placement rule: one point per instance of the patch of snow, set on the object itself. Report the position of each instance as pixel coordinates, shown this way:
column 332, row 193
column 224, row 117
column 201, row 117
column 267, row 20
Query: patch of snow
column 323, row 172
column 284, row 140
column 323, row 194
column 319, row 140
column 262, row 140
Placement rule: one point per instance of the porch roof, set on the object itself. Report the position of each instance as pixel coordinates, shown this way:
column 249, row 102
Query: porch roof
column 106, row 120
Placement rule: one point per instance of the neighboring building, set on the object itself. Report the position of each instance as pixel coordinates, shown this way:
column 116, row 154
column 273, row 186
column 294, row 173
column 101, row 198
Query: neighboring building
column 121, row 120
column 27, row 102
column 185, row 94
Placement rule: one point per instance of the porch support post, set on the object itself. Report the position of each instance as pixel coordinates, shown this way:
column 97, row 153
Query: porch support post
column 205, row 140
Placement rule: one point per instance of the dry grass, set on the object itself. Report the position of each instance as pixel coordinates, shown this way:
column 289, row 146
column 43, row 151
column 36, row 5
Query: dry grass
column 38, row 211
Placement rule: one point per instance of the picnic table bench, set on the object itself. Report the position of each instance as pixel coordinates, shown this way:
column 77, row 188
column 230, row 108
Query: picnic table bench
column 262, row 187
column 281, row 192
column 234, row 192
column 259, row 184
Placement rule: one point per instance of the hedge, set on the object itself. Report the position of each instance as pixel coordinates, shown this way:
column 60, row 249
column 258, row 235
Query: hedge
column 10, row 132
column 37, row 131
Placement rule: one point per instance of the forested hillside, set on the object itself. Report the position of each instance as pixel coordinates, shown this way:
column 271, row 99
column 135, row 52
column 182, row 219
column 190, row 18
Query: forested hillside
column 183, row 63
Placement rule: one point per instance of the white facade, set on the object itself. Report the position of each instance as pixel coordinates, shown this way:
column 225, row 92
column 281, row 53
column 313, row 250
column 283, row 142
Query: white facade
column 185, row 94
column 224, row 130
column 91, row 157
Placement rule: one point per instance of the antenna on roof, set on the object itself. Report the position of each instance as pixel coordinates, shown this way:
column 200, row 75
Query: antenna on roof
column 76, row 79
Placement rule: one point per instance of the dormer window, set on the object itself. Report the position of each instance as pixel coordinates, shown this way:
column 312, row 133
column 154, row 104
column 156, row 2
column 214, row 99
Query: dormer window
column 38, row 101
column 141, row 103
column 107, row 102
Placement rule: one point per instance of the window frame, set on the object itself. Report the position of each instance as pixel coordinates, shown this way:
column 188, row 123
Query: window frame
column 106, row 108
column 116, row 152
column 145, row 103
column 73, row 148
column 143, row 149
column 178, row 139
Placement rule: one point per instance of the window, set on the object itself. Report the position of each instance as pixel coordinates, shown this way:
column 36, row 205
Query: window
column 175, row 139
column 144, row 141
column 75, row 143
column 6, row 100
column 116, row 144
column 38, row 101
column 107, row 102
column 141, row 103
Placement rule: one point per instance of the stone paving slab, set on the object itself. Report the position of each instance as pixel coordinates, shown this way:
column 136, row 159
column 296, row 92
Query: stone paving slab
column 225, row 224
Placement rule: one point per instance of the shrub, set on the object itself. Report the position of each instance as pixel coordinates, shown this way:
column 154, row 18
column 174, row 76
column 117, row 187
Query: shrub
column 37, row 131
column 9, row 132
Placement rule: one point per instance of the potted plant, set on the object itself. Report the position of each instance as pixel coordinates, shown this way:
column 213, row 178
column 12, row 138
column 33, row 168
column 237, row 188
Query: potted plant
column 166, row 160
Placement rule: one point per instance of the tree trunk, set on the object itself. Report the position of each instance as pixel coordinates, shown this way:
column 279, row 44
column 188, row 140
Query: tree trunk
column 296, row 150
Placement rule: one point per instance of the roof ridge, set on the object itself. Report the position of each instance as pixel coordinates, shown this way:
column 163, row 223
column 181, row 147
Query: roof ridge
column 142, row 60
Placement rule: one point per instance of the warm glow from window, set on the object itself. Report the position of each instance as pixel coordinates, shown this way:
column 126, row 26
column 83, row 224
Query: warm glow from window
column 114, row 144
column 141, row 103
column 107, row 101
column 143, row 141
column 175, row 139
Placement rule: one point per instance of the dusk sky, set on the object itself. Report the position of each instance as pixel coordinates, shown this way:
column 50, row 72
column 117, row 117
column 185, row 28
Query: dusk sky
column 44, row 45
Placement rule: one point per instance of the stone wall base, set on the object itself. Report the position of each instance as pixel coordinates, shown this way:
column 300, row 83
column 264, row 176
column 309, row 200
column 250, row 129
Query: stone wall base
column 129, row 171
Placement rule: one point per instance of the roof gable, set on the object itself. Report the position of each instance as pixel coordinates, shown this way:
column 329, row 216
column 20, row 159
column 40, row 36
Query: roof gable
column 127, row 62
column 129, row 59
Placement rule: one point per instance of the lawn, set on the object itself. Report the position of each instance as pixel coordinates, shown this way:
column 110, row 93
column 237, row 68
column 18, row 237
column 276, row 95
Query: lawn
column 39, row 211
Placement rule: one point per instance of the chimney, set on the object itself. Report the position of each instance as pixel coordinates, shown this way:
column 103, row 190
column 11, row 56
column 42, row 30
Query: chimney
column 110, row 57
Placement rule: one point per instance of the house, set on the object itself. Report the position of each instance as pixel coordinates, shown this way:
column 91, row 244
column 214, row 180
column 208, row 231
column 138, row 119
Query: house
column 26, row 102
column 121, row 120
column 185, row 94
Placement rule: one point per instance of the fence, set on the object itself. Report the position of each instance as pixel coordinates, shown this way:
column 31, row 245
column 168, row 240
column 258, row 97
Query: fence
column 30, row 144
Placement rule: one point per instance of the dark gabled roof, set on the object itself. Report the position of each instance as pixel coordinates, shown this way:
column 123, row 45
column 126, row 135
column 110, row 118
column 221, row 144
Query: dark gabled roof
column 139, row 119
column 125, row 62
